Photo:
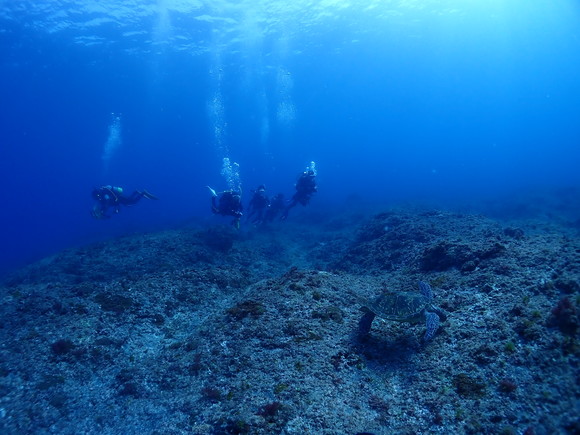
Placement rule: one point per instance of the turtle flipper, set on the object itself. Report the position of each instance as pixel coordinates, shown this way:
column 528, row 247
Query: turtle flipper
column 432, row 321
column 442, row 314
column 426, row 290
column 364, row 324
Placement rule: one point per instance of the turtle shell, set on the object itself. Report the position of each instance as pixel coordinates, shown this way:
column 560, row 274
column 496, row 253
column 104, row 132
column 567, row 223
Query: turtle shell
column 399, row 306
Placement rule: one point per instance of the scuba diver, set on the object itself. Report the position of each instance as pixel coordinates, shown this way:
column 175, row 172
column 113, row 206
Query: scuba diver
column 112, row 196
column 305, row 187
column 258, row 205
column 277, row 206
column 229, row 204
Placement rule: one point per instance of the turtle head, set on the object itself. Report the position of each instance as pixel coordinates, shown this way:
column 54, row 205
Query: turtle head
column 364, row 302
column 367, row 305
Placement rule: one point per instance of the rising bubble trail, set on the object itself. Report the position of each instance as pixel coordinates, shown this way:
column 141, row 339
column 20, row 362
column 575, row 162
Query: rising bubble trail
column 113, row 141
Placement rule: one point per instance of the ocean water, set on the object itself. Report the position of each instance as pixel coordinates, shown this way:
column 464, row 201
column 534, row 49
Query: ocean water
column 410, row 100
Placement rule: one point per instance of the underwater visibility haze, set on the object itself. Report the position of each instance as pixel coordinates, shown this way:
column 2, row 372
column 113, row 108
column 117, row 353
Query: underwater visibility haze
column 393, row 100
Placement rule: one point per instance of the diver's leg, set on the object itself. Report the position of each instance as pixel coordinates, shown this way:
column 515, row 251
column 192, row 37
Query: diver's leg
column 131, row 200
column 288, row 207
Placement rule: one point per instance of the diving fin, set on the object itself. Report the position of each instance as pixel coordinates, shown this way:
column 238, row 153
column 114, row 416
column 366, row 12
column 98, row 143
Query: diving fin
column 149, row 195
column 212, row 191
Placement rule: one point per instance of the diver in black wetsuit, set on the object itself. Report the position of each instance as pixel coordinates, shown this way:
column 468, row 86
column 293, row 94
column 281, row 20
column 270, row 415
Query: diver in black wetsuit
column 277, row 206
column 229, row 204
column 112, row 197
column 305, row 187
column 258, row 205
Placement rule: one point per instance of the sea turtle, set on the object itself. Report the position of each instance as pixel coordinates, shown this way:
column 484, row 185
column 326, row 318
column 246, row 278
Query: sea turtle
column 404, row 307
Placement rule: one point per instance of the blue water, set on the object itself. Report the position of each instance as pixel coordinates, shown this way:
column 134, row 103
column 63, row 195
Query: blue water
column 393, row 100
